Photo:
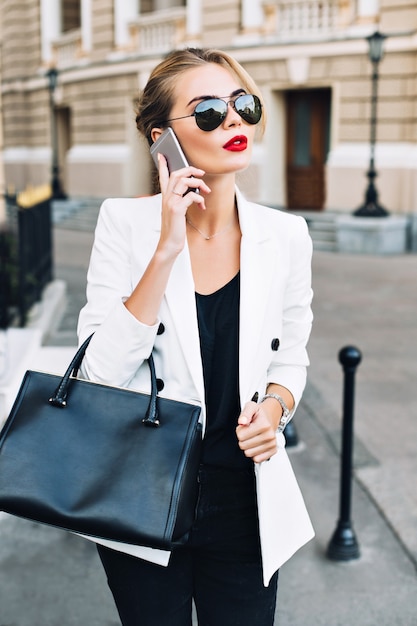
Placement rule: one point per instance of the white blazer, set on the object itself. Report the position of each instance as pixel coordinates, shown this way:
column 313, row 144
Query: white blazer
column 276, row 295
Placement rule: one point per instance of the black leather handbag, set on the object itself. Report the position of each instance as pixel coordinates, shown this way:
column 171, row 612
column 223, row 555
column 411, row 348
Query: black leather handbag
column 102, row 461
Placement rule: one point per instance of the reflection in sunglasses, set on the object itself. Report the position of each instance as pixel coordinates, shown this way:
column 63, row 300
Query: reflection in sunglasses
column 210, row 113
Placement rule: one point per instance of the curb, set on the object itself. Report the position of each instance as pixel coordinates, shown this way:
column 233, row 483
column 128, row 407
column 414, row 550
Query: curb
column 46, row 315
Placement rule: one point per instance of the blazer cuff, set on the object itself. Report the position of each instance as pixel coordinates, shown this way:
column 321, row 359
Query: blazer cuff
column 294, row 379
column 118, row 348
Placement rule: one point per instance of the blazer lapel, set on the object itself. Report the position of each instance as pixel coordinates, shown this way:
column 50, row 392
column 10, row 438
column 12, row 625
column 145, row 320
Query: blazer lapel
column 180, row 298
column 257, row 272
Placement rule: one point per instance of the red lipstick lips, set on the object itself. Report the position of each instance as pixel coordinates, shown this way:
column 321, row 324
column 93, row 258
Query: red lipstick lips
column 236, row 144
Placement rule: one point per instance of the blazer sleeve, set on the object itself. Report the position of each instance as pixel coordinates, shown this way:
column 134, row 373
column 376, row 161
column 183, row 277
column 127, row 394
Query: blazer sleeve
column 288, row 367
column 120, row 342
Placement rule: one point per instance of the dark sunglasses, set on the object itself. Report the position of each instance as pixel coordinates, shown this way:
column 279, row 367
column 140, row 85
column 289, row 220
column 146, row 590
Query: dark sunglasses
column 209, row 114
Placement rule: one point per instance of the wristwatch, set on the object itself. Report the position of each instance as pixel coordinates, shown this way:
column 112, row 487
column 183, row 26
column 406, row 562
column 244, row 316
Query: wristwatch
column 286, row 413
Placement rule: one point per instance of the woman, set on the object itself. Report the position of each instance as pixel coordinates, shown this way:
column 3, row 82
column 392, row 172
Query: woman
column 219, row 290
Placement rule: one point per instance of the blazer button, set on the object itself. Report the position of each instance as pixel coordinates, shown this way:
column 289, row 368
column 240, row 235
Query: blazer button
column 275, row 344
column 161, row 329
column 160, row 384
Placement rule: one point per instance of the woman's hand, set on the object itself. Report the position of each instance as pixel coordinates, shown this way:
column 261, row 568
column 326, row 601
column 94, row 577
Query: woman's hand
column 256, row 429
column 145, row 300
column 177, row 195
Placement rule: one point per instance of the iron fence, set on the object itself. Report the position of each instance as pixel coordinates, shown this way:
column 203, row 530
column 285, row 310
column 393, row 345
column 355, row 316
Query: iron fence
column 26, row 259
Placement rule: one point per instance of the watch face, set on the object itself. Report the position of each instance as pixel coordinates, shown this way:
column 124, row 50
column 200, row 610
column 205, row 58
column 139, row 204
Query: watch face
column 283, row 421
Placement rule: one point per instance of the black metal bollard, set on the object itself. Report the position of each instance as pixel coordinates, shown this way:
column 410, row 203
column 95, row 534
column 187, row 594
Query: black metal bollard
column 291, row 435
column 343, row 545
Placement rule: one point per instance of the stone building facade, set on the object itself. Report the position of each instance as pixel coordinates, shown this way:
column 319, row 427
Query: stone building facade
column 309, row 58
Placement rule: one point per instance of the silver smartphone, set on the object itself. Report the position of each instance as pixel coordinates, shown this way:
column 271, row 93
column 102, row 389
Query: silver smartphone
column 168, row 145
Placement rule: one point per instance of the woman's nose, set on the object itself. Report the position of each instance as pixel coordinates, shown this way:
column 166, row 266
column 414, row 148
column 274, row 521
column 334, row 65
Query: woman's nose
column 232, row 117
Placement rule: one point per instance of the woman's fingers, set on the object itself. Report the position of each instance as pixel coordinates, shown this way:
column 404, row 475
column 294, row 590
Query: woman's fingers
column 187, row 184
column 255, row 434
column 182, row 181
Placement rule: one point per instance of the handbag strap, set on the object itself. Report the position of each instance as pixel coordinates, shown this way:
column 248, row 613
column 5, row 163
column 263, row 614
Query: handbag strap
column 60, row 396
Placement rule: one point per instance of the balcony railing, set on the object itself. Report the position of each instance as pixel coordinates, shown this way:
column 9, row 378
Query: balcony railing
column 68, row 49
column 159, row 31
column 289, row 19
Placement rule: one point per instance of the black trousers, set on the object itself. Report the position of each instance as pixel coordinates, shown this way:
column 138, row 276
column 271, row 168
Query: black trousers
column 219, row 568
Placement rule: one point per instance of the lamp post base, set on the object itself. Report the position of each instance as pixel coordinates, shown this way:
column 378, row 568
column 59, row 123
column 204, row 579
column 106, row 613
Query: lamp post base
column 57, row 191
column 291, row 435
column 371, row 206
column 343, row 545
column 371, row 209
column 58, row 194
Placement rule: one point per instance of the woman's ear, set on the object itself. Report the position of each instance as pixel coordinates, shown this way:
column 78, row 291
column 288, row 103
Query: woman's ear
column 156, row 133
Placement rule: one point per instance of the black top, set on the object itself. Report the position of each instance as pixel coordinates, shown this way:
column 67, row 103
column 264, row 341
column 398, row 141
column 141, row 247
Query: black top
column 218, row 321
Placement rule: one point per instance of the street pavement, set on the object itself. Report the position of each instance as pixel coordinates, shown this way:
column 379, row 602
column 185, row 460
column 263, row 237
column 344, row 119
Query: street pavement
column 51, row 578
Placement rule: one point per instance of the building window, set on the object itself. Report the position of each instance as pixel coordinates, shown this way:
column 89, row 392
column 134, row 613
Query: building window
column 70, row 15
column 149, row 6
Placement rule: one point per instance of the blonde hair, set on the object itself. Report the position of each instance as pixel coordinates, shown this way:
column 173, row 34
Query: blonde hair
column 154, row 105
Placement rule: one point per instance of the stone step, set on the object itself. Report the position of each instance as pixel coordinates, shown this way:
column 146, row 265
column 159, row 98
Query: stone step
column 324, row 246
column 76, row 214
column 17, row 349
column 326, row 234
column 322, row 228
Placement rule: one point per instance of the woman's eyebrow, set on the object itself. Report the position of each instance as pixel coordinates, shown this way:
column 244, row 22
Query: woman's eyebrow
column 208, row 97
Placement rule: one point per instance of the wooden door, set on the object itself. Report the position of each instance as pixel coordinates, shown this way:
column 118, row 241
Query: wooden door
column 308, row 123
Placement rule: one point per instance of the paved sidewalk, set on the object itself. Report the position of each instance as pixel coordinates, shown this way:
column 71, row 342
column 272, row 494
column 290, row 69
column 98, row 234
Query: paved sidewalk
column 49, row 578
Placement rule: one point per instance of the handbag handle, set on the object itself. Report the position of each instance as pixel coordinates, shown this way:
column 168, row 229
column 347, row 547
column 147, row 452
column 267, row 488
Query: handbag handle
column 59, row 398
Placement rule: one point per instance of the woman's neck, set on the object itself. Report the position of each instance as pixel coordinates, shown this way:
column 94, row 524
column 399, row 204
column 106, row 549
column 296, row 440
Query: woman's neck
column 220, row 205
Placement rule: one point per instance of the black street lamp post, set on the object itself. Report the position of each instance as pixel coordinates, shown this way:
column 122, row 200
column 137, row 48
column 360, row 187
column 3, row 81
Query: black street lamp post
column 57, row 191
column 371, row 206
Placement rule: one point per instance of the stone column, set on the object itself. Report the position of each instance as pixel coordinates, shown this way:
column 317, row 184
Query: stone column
column 86, row 26
column 50, row 27
column 125, row 11
column 368, row 8
column 194, row 11
column 252, row 15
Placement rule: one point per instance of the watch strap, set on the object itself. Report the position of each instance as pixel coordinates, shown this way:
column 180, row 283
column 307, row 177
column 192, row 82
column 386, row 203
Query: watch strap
column 286, row 413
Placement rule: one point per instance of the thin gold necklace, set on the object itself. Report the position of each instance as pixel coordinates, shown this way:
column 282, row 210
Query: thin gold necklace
column 207, row 237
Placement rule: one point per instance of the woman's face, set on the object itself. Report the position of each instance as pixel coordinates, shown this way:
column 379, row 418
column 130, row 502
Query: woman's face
column 227, row 148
